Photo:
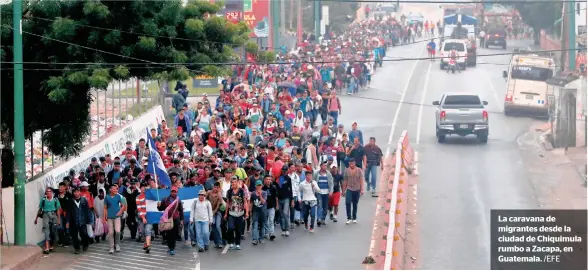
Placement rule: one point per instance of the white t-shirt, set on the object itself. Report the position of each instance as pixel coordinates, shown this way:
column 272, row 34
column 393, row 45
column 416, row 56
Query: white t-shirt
column 269, row 90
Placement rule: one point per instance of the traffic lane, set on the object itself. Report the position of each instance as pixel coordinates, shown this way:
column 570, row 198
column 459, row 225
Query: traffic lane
column 462, row 180
column 388, row 80
column 337, row 246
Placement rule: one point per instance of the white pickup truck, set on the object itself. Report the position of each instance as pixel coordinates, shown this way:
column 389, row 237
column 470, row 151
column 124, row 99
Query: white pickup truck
column 461, row 114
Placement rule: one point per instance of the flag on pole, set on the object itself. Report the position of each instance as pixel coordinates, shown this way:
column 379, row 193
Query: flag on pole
column 155, row 163
column 187, row 195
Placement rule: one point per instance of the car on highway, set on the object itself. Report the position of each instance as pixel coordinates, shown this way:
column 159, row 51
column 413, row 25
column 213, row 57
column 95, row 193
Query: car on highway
column 460, row 46
column 463, row 114
column 496, row 37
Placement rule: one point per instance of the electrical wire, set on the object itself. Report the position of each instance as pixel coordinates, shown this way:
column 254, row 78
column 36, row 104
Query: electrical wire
column 506, row 2
column 299, row 62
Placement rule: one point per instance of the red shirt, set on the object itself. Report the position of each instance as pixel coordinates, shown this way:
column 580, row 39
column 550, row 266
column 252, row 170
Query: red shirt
column 277, row 168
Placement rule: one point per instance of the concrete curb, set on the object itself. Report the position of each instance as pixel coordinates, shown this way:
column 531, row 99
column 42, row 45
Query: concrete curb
column 20, row 258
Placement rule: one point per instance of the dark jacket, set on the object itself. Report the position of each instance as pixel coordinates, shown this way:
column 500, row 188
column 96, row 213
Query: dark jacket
column 131, row 202
column 285, row 189
column 79, row 216
column 167, row 201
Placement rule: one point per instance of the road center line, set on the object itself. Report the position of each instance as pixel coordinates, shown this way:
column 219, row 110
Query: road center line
column 401, row 101
column 493, row 89
column 422, row 103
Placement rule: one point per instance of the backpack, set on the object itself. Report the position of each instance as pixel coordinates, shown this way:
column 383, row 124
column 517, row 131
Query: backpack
column 40, row 212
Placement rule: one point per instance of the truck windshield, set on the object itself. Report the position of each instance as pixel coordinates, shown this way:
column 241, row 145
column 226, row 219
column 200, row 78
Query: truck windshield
column 462, row 101
column 453, row 45
column 530, row 73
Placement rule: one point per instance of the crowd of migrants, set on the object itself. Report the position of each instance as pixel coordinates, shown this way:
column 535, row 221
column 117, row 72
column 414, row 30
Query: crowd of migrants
column 269, row 151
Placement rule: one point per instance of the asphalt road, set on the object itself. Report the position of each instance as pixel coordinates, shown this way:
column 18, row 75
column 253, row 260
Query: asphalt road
column 461, row 180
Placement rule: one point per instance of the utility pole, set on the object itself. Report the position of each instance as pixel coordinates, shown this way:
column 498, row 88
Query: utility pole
column 571, row 13
column 282, row 17
column 299, row 23
column 317, row 19
column 20, row 232
column 564, row 39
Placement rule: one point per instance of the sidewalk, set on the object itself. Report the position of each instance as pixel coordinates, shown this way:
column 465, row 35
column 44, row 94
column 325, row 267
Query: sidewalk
column 557, row 177
column 19, row 257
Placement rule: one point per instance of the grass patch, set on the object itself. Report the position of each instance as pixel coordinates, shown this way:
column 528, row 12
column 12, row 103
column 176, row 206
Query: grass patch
column 153, row 89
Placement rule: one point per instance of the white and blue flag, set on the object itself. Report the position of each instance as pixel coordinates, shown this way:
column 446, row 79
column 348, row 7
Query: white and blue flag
column 152, row 196
column 155, row 163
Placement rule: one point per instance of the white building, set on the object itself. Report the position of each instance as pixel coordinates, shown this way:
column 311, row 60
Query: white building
column 581, row 19
column 568, row 110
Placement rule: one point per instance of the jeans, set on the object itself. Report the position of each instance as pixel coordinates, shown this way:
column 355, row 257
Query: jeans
column 269, row 221
column 295, row 213
column 308, row 210
column 351, row 200
column 81, row 231
column 63, row 232
column 335, row 115
column 216, row 228
column 189, row 232
column 258, row 224
column 323, row 206
column 234, row 225
column 285, row 214
column 202, row 233
column 371, row 182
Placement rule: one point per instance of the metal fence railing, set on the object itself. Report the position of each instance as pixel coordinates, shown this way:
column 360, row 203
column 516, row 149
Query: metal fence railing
column 111, row 109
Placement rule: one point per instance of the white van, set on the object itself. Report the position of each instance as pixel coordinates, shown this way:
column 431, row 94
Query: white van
column 526, row 87
column 460, row 46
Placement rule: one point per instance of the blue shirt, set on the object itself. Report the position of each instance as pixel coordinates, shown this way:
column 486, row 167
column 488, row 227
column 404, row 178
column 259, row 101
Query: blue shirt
column 432, row 45
column 113, row 205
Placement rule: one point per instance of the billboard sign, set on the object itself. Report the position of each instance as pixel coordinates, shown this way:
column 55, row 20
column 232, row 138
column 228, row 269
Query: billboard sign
column 256, row 15
column 234, row 16
column 204, row 81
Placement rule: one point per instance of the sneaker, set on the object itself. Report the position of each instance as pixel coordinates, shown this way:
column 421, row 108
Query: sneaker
column 193, row 244
column 117, row 248
column 200, row 250
column 85, row 248
column 335, row 219
column 311, row 230
column 205, row 248
column 287, row 234
column 318, row 223
column 331, row 216
column 219, row 246
column 348, row 221
column 272, row 237
column 261, row 241
column 283, row 233
column 231, row 246
column 147, row 250
column 111, row 251
column 77, row 251
column 237, row 247
column 254, row 242
column 354, row 221
column 187, row 243
column 172, row 252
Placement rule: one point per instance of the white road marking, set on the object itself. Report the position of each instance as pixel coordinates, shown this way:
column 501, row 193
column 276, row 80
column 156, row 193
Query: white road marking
column 197, row 260
column 416, row 163
column 397, row 113
column 422, row 103
column 499, row 103
column 225, row 249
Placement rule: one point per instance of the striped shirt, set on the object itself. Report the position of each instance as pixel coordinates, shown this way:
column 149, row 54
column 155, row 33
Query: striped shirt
column 141, row 206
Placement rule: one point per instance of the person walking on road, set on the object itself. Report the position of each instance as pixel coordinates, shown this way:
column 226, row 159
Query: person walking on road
column 258, row 212
column 482, row 35
column 336, row 195
column 79, row 216
column 201, row 217
column 324, row 180
column 373, row 159
column 176, row 212
column 145, row 229
column 114, row 207
column 49, row 211
column 236, row 212
column 308, row 200
column 352, row 189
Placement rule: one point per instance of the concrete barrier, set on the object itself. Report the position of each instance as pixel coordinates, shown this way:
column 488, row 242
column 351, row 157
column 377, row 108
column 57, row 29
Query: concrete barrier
column 389, row 231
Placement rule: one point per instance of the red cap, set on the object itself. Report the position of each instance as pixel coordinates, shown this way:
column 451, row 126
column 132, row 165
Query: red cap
column 174, row 188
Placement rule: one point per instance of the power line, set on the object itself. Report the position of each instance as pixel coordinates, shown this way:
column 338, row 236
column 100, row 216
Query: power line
column 297, row 62
column 506, row 2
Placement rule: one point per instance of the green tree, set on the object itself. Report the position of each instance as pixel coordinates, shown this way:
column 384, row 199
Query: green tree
column 539, row 15
column 70, row 47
